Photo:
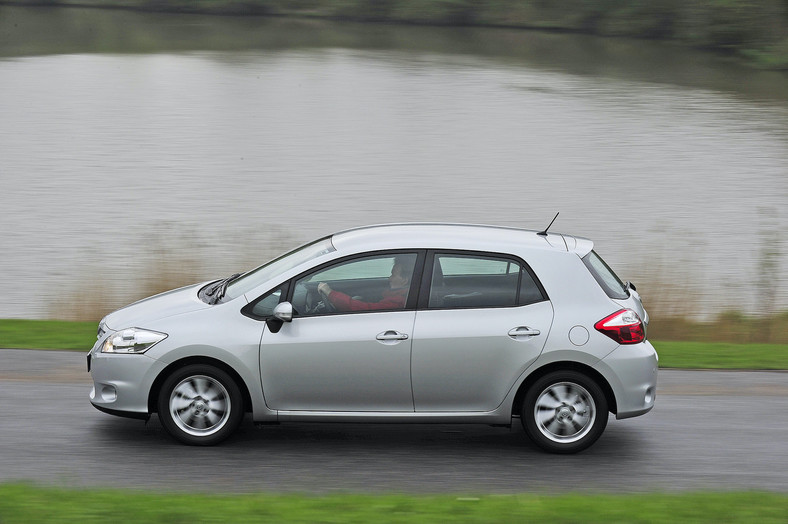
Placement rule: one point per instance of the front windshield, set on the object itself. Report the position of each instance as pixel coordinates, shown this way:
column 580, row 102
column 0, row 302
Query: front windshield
column 278, row 266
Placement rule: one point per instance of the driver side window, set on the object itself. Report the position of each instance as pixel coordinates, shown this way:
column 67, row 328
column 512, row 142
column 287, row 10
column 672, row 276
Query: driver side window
column 373, row 283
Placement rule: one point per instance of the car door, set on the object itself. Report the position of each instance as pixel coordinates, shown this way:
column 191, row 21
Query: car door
column 351, row 360
column 483, row 319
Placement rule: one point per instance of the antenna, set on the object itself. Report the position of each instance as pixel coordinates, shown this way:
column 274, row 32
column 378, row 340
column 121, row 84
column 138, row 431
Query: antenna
column 544, row 233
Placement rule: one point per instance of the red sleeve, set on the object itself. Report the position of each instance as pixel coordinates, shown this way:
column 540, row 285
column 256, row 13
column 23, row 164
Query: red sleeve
column 344, row 302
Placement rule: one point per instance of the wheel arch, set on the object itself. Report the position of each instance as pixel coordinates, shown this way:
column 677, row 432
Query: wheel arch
column 155, row 389
column 564, row 366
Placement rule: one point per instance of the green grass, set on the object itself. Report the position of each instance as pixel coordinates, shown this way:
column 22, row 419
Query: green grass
column 25, row 503
column 721, row 355
column 57, row 334
column 47, row 334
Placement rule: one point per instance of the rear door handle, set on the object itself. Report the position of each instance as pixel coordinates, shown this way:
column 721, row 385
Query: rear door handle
column 391, row 336
column 523, row 332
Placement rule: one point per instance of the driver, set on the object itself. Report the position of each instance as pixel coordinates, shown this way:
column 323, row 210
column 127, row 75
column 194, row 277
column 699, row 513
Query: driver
column 393, row 298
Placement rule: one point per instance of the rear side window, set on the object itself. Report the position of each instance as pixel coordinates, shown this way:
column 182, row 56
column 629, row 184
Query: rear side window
column 605, row 276
column 471, row 281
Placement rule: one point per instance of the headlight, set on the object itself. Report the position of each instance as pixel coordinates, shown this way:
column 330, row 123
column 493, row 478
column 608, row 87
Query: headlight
column 132, row 340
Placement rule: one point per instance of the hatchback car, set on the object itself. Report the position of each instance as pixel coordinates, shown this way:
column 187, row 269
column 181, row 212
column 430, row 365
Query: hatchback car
column 395, row 323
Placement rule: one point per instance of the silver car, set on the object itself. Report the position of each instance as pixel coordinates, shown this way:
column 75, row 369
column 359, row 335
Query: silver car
column 395, row 323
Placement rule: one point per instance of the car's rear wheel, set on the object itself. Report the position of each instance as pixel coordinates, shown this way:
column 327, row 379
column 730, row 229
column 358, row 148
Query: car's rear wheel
column 564, row 412
column 200, row 405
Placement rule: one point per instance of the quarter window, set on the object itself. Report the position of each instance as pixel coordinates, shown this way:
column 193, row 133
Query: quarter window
column 263, row 307
column 605, row 276
column 465, row 281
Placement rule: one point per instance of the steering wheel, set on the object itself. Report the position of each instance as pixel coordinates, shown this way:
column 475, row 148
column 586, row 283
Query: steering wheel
column 329, row 307
column 315, row 301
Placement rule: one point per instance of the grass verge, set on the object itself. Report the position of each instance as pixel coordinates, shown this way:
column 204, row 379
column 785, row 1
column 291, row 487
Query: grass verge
column 26, row 503
column 47, row 334
column 58, row 334
column 720, row 355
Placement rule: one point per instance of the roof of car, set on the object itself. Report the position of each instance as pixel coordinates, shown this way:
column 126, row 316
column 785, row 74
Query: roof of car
column 454, row 236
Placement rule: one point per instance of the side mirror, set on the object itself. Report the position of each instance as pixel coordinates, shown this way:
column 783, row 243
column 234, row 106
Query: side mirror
column 283, row 312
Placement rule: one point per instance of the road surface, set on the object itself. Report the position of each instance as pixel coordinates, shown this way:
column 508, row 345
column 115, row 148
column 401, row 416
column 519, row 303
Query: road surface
column 710, row 430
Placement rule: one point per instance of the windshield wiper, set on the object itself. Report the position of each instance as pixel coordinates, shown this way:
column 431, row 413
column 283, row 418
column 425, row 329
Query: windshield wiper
column 220, row 288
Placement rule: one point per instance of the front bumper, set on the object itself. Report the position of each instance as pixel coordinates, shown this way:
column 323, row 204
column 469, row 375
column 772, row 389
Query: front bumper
column 121, row 382
column 631, row 371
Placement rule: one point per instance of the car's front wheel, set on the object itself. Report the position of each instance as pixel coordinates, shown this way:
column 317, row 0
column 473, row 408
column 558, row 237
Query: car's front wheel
column 564, row 412
column 200, row 405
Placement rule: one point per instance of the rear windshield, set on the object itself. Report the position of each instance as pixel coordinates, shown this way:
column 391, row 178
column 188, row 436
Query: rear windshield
column 605, row 276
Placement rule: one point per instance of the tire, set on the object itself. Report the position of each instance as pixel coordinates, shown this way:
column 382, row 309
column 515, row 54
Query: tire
column 564, row 412
column 200, row 405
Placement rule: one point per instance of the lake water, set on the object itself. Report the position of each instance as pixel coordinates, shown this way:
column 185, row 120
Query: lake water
column 133, row 144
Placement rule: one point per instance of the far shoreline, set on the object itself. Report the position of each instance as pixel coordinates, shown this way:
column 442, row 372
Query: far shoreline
column 728, row 34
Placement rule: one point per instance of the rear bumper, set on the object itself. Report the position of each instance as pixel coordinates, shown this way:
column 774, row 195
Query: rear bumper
column 631, row 371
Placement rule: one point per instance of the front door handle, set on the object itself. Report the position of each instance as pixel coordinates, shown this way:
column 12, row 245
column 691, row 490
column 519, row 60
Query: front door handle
column 391, row 336
column 523, row 332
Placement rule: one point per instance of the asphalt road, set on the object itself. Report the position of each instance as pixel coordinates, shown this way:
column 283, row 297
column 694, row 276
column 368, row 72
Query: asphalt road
column 709, row 430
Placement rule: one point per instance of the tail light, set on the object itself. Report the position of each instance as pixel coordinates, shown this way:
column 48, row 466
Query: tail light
column 624, row 326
